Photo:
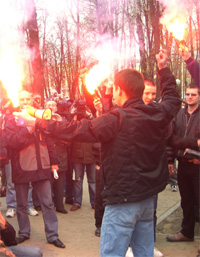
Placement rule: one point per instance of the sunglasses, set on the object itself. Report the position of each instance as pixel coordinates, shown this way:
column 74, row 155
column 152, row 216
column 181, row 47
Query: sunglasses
column 193, row 95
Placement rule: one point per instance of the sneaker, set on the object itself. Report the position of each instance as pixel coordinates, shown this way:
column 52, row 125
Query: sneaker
column 174, row 188
column 129, row 253
column 10, row 213
column 32, row 212
column 157, row 253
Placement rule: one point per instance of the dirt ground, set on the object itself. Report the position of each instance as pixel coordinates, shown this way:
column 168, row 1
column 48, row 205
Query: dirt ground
column 172, row 225
column 76, row 229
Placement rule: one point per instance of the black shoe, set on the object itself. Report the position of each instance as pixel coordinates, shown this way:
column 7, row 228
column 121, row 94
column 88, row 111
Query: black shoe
column 21, row 239
column 98, row 232
column 179, row 237
column 57, row 243
column 61, row 211
column 75, row 208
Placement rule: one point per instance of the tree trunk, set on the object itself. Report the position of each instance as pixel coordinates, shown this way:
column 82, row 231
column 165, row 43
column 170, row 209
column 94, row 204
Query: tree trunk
column 33, row 44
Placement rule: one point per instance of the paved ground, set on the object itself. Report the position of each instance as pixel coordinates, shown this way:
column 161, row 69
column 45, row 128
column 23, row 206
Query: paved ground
column 76, row 230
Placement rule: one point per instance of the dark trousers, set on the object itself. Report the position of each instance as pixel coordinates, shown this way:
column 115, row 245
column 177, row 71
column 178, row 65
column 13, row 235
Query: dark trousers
column 58, row 190
column 69, row 184
column 43, row 189
column 188, row 182
column 99, row 208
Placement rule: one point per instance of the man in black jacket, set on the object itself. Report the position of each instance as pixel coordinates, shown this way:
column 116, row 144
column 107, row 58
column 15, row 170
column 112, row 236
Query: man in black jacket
column 134, row 159
column 186, row 124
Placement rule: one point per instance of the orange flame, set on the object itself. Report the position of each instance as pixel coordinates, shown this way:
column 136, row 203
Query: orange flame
column 96, row 76
column 11, row 74
column 177, row 28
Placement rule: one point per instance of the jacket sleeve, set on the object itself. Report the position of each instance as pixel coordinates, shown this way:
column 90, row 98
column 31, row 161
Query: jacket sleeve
column 17, row 137
column 182, row 143
column 52, row 151
column 194, row 69
column 100, row 129
column 177, row 142
column 171, row 101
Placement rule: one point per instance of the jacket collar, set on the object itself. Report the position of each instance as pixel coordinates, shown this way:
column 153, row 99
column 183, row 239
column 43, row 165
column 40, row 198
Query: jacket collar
column 132, row 102
column 197, row 109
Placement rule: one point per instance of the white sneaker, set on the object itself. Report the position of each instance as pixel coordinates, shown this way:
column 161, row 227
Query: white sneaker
column 174, row 188
column 129, row 253
column 157, row 253
column 10, row 213
column 32, row 212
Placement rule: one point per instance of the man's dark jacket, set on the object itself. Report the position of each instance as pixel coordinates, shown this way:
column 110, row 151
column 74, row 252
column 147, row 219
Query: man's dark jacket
column 133, row 143
column 187, row 126
column 32, row 154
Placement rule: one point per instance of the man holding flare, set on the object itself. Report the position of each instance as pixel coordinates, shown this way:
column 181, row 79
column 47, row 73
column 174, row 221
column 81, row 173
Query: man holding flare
column 134, row 161
column 33, row 158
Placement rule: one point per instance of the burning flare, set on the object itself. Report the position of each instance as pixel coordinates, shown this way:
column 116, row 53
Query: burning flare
column 177, row 29
column 10, row 74
column 95, row 77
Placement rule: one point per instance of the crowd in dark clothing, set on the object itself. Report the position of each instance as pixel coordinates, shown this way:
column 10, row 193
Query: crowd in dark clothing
column 74, row 146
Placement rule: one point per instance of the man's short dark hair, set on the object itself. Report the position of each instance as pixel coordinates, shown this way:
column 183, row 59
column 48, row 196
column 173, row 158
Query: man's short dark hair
column 150, row 82
column 192, row 85
column 130, row 81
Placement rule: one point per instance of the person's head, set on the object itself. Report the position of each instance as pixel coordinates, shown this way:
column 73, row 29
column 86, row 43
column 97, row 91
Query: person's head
column 25, row 98
column 51, row 105
column 192, row 95
column 128, row 83
column 150, row 90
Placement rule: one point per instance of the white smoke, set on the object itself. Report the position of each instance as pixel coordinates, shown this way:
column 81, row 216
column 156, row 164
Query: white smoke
column 176, row 9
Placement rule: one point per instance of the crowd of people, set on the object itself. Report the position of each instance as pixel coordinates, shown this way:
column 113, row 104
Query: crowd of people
column 128, row 150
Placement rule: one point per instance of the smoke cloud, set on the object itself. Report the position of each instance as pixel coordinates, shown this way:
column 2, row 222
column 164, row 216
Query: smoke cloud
column 176, row 9
column 13, row 49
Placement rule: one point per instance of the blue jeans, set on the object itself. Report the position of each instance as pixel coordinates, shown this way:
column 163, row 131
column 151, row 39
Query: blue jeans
column 78, row 182
column 129, row 224
column 10, row 190
column 25, row 251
